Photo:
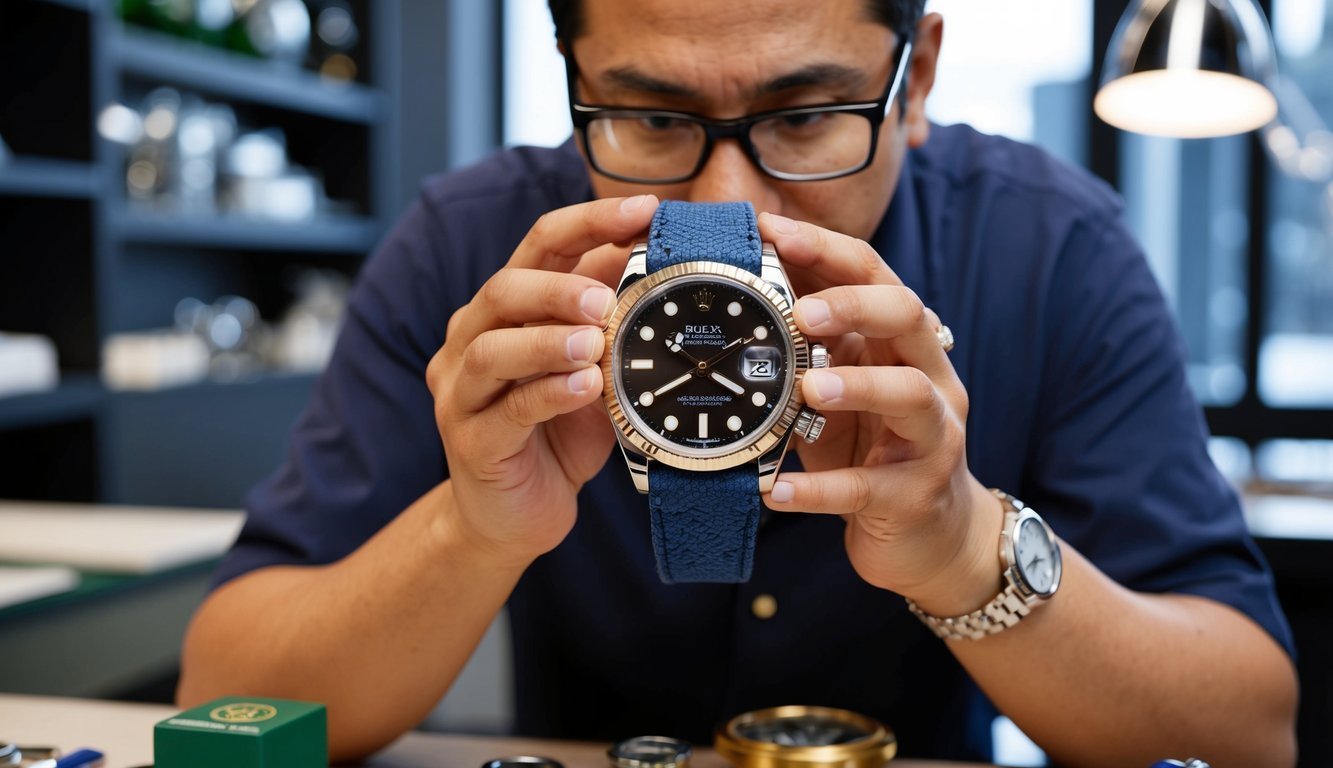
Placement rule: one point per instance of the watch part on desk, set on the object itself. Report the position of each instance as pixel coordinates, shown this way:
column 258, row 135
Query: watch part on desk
column 805, row 737
column 523, row 761
column 650, row 752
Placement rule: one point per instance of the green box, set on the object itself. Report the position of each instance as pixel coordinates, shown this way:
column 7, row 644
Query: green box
column 244, row 732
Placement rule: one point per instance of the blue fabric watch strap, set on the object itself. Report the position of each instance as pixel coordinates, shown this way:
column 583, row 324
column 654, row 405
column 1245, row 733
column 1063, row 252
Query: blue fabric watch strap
column 723, row 232
column 704, row 523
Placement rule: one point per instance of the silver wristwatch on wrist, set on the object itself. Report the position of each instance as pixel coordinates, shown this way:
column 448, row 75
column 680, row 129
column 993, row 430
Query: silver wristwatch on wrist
column 1030, row 558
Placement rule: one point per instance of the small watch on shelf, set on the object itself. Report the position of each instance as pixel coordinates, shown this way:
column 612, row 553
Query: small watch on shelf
column 1030, row 559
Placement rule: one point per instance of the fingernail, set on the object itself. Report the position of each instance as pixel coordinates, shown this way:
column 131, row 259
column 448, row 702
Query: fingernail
column 582, row 381
column 581, row 345
column 781, row 224
column 597, row 302
column 814, row 312
column 783, row 492
column 828, row 385
column 632, row 204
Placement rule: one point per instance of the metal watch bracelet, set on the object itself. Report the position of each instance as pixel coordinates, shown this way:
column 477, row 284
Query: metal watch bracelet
column 1002, row 612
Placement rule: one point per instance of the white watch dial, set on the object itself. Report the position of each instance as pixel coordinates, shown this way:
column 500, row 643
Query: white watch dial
column 1038, row 560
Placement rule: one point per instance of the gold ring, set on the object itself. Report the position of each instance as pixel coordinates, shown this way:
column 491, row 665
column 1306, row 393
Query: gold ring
column 946, row 338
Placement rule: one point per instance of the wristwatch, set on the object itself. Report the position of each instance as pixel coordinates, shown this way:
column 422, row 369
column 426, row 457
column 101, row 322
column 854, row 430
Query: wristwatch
column 1030, row 558
column 702, row 382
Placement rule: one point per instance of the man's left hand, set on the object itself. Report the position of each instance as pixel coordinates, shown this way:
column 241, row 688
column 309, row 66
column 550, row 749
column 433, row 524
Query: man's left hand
column 891, row 460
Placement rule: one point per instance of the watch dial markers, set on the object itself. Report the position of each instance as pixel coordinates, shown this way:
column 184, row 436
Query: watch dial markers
column 728, row 383
column 734, row 423
column 641, row 364
column 734, row 309
column 703, row 424
column 646, row 333
column 671, row 423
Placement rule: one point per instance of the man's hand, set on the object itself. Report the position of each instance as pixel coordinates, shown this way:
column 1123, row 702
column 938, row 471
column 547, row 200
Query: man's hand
column 891, row 459
column 516, row 385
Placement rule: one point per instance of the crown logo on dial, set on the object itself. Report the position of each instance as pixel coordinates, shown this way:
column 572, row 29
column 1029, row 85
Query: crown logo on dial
column 704, row 299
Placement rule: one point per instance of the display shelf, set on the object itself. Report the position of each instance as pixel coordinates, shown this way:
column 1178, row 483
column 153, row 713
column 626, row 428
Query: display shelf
column 83, row 263
column 43, row 177
column 78, row 397
column 204, row 444
column 223, row 74
column 339, row 235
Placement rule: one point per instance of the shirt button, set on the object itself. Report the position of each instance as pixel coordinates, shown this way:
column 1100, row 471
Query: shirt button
column 764, row 607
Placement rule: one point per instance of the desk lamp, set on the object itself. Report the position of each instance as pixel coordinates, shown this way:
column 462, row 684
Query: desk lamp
column 1206, row 68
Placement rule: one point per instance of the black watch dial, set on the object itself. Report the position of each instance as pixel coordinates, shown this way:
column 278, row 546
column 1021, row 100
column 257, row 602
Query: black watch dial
column 704, row 365
column 803, row 731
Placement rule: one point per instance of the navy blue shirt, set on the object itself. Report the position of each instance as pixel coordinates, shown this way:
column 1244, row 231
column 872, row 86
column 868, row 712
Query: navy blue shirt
column 1079, row 406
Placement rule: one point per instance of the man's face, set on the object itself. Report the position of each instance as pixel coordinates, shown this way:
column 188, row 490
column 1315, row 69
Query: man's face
column 728, row 59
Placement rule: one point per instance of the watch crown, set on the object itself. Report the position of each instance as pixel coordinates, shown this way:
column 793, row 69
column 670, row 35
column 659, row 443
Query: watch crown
column 809, row 425
column 819, row 356
column 816, row 428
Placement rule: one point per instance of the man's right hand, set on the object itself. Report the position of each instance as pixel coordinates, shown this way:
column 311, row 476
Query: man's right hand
column 517, row 387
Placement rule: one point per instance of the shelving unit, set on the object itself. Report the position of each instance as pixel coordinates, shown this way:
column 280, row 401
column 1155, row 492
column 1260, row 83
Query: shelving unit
column 346, row 235
column 42, row 177
column 78, row 262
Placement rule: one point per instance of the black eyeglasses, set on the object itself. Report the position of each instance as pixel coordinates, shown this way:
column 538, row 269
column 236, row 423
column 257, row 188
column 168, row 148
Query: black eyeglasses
column 812, row 143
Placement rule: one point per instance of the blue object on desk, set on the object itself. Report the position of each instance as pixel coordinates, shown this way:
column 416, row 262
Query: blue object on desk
column 1193, row 762
column 81, row 758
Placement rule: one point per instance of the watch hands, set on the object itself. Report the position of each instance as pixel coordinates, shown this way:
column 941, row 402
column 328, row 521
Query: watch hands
column 674, row 344
column 670, row 385
column 726, row 350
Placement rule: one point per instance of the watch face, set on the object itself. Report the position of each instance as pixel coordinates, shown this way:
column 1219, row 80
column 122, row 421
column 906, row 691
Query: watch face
column 1038, row 560
column 703, row 365
column 802, row 731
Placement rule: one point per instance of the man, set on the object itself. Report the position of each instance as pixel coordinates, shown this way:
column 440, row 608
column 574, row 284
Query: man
column 372, row 564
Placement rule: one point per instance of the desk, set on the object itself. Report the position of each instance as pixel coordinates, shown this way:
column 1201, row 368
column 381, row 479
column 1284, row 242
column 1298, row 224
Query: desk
column 125, row 733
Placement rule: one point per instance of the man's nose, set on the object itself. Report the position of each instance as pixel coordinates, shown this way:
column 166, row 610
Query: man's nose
column 729, row 175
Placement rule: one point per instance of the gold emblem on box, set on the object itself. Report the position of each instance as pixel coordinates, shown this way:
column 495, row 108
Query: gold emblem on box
column 244, row 712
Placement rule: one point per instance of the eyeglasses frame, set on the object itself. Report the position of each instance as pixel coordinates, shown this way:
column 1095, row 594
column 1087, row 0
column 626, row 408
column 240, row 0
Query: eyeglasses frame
column 737, row 128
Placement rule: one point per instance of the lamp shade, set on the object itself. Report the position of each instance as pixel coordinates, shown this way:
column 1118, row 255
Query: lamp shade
column 1189, row 69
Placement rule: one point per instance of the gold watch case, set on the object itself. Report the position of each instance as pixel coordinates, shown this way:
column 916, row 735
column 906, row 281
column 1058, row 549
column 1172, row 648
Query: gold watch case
column 873, row 746
column 651, row 445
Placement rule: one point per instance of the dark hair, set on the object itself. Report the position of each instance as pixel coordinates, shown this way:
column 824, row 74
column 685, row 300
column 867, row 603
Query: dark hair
column 899, row 15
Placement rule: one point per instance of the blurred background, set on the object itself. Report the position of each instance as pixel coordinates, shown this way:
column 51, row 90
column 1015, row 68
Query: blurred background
column 187, row 187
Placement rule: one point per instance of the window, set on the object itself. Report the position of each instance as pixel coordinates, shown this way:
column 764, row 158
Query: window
column 535, row 109
column 1296, row 354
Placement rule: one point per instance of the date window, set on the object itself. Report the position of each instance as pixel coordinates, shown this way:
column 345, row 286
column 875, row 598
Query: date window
column 760, row 363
